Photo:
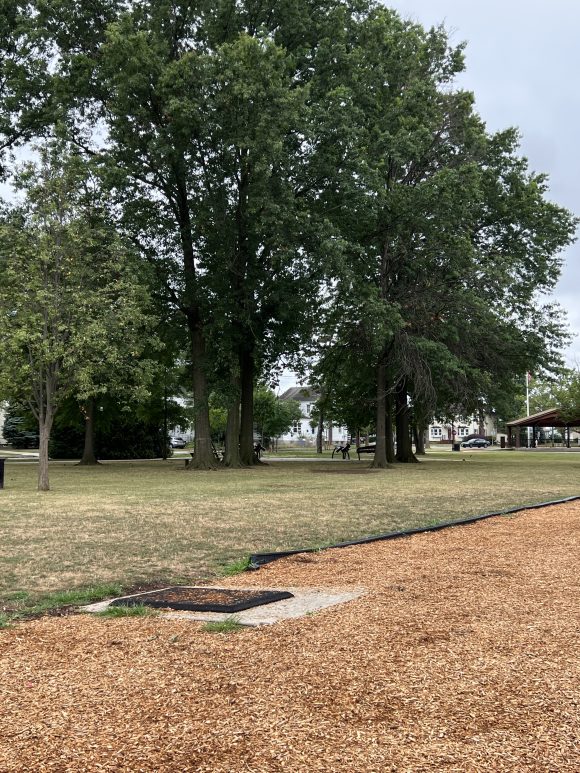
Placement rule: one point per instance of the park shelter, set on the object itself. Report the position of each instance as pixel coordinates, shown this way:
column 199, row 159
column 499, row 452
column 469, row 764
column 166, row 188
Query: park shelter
column 550, row 418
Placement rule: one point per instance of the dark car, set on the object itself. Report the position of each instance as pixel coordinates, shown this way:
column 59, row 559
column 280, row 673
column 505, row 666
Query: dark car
column 177, row 442
column 476, row 442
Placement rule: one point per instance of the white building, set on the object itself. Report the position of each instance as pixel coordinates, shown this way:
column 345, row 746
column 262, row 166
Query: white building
column 458, row 428
column 302, row 433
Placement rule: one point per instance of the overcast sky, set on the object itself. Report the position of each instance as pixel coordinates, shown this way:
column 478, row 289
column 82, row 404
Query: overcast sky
column 523, row 64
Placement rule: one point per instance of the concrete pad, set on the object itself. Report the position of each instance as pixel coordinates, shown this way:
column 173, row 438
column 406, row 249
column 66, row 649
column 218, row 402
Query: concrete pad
column 305, row 601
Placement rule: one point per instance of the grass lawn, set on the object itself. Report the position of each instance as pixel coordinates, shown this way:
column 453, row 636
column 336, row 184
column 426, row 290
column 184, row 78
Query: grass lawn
column 132, row 523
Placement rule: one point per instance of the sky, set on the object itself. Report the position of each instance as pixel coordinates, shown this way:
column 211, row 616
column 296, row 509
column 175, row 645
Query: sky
column 523, row 65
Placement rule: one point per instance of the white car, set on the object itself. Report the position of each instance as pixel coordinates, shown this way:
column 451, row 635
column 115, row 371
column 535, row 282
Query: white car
column 177, row 442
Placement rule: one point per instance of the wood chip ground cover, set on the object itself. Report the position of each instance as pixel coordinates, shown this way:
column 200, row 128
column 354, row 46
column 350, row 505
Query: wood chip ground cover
column 463, row 656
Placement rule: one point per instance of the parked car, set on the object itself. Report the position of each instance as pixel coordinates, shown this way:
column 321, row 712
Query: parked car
column 476, row 442
column 177, row 442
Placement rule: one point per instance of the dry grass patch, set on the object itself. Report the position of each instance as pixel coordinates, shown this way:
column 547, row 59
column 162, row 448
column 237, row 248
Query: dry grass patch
column 138, row 522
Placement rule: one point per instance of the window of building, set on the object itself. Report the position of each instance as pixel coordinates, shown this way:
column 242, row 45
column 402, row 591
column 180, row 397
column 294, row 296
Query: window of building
column 462, row 431
column 308, row 407
column 436, row 432
column 296, row 428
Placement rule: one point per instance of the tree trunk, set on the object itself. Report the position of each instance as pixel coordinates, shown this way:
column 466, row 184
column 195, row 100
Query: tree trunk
column 380, row 457
column 165, row 447
column 232, row 450
column 419, row 435
column 390, row 443
column 203, row 458
column 320, row 432
column 383, row 450
column 404, row 449
column 89, row 457
column 44, row 429
column 247, row 455
column 481, row 421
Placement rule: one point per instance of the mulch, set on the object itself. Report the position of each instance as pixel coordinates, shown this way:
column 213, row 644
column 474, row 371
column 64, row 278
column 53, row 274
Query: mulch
column 462, row 656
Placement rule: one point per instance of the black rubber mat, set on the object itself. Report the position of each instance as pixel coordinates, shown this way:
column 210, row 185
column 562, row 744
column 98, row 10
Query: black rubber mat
column 181, row 597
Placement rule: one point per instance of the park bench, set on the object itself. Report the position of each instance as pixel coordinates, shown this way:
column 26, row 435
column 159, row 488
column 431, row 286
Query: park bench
column 217, row 455
column 344, row 450
column 258, row 449
column 365, row 450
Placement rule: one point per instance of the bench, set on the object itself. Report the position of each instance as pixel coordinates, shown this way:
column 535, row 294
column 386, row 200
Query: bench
column 344, row 450
column 365, row 450
column 217, row 455
column 258, row 449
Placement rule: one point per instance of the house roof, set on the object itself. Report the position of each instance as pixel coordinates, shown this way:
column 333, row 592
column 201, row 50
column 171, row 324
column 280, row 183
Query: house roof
column 550, row 418
column 300, row 393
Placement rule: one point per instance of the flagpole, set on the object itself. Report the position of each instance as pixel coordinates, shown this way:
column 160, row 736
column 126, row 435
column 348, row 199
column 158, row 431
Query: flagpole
column 528, row 403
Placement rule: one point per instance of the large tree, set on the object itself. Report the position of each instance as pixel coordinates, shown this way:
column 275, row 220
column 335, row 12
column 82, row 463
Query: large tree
column 256, row 149
column 75, row 313
column 203, row 118
column 450, row 236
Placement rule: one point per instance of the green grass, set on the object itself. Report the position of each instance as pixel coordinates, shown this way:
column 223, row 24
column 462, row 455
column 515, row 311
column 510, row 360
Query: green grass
column 78, row 597
column 229, row 625
column 126, row 524
column 21, row 604
column 235, row 567
column 137, row 610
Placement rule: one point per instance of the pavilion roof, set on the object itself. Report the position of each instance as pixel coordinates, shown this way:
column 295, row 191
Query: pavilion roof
column 550, row 418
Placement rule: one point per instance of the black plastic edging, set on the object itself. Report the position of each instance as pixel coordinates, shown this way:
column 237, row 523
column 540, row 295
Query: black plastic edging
column 260, row 559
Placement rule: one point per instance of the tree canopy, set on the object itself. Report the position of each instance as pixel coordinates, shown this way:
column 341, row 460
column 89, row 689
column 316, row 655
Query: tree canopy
column 303, row 179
